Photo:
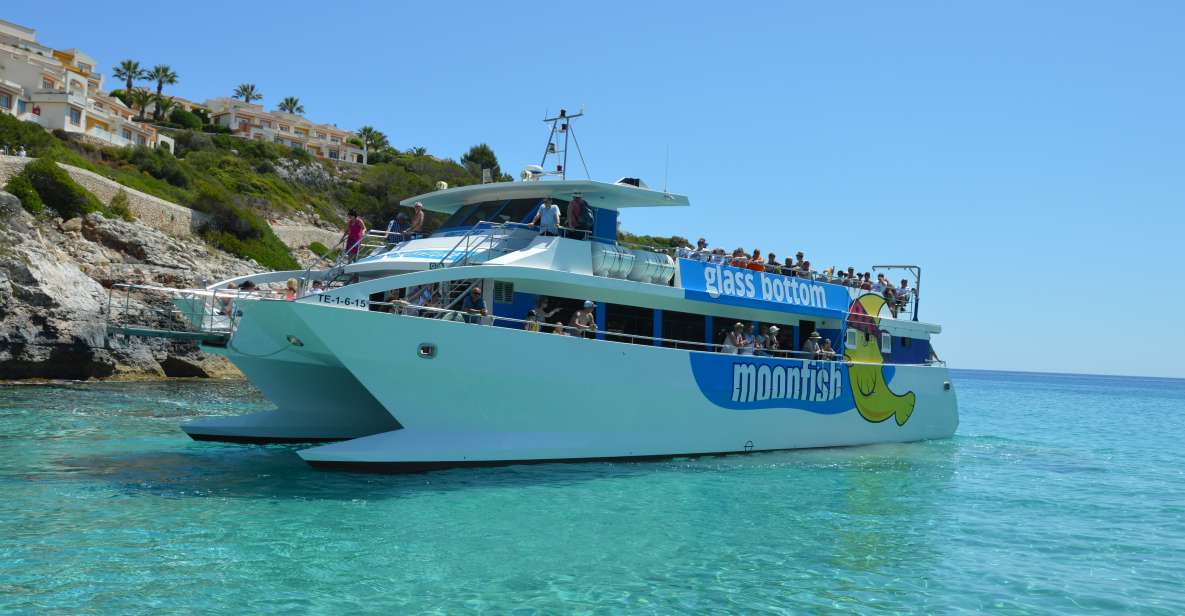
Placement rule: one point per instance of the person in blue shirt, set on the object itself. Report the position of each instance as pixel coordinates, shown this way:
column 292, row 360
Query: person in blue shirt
column 474, row 306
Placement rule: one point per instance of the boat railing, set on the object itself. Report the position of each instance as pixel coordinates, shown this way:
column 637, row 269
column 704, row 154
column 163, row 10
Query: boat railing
column 450, row 313
column 204, row 315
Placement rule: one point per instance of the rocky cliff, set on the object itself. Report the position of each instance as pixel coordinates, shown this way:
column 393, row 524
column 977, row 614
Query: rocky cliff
column 54, row 281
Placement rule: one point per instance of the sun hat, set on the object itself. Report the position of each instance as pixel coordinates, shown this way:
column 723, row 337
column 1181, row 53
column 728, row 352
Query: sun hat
column 814, row 335
column 774, row 328
column 589, row 304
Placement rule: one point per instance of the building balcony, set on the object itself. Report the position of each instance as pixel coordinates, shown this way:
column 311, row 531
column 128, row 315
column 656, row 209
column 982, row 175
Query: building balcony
column 108, row 136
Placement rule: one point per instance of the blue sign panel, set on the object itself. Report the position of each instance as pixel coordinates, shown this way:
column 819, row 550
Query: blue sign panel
column 724, row 284
column 746, row 382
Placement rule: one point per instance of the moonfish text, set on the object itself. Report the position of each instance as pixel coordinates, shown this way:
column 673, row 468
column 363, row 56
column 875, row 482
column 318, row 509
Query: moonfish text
column 719, row 280
column 809, row 381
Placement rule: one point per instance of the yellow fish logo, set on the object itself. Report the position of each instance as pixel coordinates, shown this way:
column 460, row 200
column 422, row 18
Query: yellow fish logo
column 875, row 401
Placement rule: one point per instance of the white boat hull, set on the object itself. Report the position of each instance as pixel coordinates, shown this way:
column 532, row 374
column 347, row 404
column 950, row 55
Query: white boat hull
column 318, row 400
column 493, row 395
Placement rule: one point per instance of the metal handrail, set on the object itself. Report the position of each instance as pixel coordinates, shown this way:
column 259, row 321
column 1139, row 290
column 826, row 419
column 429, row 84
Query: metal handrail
column 707, row 346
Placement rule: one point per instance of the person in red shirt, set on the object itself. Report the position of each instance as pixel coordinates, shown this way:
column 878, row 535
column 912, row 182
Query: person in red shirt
column 755, row 262
column 355, row 229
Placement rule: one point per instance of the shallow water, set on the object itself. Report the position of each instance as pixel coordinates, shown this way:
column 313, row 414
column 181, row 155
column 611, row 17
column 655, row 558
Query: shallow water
column 1060, row 494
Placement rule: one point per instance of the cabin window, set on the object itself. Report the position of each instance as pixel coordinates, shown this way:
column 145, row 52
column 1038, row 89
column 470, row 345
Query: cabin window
column 850, row 339
column 503, row 292
column 629, row 324
column 683, row 330
column 906, row 341
column 886, row 342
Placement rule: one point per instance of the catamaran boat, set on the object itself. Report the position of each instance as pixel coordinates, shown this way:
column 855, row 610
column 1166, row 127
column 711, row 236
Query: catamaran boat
column 391, row 368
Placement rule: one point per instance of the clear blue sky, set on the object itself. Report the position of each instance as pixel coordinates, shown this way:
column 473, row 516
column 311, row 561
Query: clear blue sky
column 1029, row 156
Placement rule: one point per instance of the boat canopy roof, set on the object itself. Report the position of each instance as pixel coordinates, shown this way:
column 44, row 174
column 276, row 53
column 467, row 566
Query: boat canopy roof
column 598, row 194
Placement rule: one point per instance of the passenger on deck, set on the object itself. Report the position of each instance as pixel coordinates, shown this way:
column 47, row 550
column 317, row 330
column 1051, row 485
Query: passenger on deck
column 227, row 299
column 559, row 329
column 771, row 264
column 579, row 217
column 772, row 345
column 355, row 229
column 291, row 289
column 532, row 324
column 395, row 228
column 760, row 340
column 825, row 351
column 473, row 305
column 738, row 258
column 810, row 348
column 541, row 308
column 749, row 341
column 805, row 270
column 548, row 218
column 867, row 281
column 417, row 221
column 890, row 295
column 755, row 262
column 852, row 278
column 799, row 264
column 904, row 293
column 734, row 340
column 583, row 320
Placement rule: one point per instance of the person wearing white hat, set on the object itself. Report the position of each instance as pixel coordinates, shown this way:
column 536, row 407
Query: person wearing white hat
column 772, row 346
column 583, row 320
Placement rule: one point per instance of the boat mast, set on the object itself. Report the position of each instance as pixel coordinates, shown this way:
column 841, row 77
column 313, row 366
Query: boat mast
column 562, row 125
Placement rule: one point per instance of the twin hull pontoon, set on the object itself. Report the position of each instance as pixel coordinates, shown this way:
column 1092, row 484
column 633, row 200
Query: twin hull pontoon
column 408, row 387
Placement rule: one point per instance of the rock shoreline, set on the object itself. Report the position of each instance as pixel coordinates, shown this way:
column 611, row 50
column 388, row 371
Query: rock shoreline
column 54, row 281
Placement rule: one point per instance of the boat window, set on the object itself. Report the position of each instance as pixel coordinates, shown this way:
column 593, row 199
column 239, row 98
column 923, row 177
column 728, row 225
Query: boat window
column 501, row 211
column 886, row 342
column 685, row 328
column 850, row 339
column 623, row 323
column 503, row 292
column 518, row 210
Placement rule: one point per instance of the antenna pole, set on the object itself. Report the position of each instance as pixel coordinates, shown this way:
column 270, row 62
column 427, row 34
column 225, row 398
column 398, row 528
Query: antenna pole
column 666, row 172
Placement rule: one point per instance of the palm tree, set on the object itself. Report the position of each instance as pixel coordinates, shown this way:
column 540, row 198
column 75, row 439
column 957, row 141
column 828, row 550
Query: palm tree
column 164, row 104
column 129, row 71
column 418, row 151
column 290, row 104
column 161, row 74
column 141, row 98
column 372, row 138
column 248, row 93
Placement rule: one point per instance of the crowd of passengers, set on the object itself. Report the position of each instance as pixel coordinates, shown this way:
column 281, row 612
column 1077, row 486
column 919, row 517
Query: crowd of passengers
column 764, row 341
column 799, row 267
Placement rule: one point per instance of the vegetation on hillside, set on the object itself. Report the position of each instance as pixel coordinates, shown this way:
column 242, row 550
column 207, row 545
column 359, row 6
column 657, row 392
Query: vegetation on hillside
column 241, row 183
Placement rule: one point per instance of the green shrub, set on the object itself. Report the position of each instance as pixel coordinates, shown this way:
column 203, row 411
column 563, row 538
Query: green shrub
column 160, row 164
column 119, row 206
column 318, row 249
column 187, row 119
column 20, row 187
column 191, row 141
column 15, row 133
column 58, row 191
column 215, row 128
column 267, row 251
column 202, row 114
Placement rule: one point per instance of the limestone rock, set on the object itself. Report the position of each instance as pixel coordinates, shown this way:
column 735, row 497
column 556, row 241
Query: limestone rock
column 55, row 278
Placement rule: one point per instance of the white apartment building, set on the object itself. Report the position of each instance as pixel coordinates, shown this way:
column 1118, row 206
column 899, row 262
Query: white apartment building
column 62, row 89
column 250, row 121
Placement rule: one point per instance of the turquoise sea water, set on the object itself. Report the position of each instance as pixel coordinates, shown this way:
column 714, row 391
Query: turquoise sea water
column 1060, row 494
